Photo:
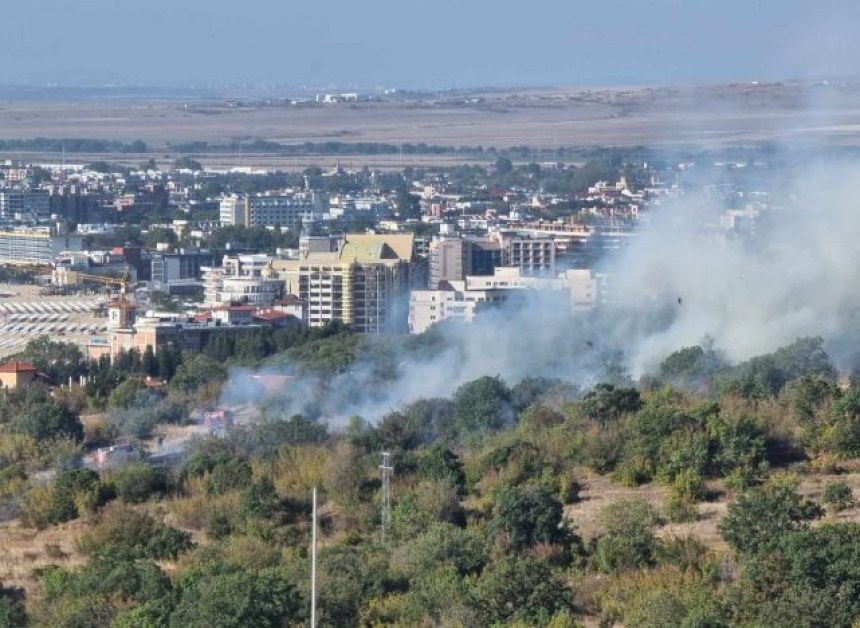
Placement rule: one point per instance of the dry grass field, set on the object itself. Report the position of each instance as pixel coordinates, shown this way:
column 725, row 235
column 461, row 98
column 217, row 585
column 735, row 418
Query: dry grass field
column 601, row 490
column 25, row 550
column 713, row 115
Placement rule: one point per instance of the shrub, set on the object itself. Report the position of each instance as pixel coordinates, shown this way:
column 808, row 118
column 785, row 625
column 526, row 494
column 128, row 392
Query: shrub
column 838, row 496
column 137, row 481
column 760, row 517
column 628, row 541
column 123, row 531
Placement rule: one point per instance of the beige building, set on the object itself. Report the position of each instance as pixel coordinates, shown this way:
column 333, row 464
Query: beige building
column 446, row 261
column 16, row 374
column 271, row 210
column 361, row 279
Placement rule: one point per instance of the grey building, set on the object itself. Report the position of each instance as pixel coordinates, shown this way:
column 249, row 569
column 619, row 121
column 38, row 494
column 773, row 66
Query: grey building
column 23, row 204
column 181, row 268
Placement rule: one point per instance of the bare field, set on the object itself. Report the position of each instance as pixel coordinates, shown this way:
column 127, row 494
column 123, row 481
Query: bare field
column 687, row 116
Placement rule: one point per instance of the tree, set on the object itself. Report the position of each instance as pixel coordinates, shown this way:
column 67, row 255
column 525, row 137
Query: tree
column 135, row 482
column 408, row 205
column 197, row 371
column 606, row 402
column 123, row 531
column 187, row 163
column 126, row 394
column 809, row 578
column 239, row 599
column 441, row 544
column 519, row 589
column 59, row 360
column 528, row 515
column 761, row 516
column 12, row 610
column 504, row 166
column 45, row 419
column 482, row 406
column 691, row 367
column 441, row 464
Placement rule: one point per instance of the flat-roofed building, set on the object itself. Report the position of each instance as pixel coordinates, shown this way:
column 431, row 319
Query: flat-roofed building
column 246, row 279
column 271, row 210
column 38, row 245
column 24, row 204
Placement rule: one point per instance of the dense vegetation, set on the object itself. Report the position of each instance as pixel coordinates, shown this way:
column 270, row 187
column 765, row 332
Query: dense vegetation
column 484, row 482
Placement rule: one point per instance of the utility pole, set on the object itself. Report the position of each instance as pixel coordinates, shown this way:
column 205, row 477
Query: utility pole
column 386, row 470
column 314, row 561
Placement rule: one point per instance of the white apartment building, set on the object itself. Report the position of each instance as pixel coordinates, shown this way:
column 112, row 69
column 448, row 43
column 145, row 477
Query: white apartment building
column 271, row 210
column 463, row 300
column 246, row 279
column 39, row 245
column 450, row 302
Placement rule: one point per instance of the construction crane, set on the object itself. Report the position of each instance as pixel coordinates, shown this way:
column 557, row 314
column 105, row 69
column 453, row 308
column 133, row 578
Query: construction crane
column 125, row 305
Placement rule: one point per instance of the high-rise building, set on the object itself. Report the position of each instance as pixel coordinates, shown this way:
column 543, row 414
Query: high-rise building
column 533, row 256
column 364, row 282
column 183, row 267
column 580, row 289
column 445, row 261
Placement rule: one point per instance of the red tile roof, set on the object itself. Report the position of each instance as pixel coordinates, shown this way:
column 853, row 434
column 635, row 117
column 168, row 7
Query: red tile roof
column 17, row 367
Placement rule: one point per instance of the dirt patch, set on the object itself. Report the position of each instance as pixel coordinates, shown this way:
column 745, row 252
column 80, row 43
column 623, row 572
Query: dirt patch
column 26, row 550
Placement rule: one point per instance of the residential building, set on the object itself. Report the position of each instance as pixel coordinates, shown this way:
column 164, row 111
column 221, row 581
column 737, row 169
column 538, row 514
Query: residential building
column 533, row 256
column 271, row 210
column 364, row 282
column 25, row 204
column 38, row 245
column 17, row 374
column 481, row 256
column 451, row 301
column 445, row 261
column 246, row 279
column 183, row 333
column 464, row 300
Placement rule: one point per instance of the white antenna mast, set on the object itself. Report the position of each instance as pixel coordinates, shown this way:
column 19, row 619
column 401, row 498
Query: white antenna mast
column 314, row 561
column 386, row 469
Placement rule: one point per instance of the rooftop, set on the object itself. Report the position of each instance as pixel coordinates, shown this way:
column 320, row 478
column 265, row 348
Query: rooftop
column 17, row 367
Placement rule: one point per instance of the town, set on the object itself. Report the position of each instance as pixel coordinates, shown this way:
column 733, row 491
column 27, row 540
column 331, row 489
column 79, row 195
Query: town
column 130, row 259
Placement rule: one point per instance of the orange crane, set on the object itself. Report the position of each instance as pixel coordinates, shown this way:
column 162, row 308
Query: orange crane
column 73, row 277
column 126, row 306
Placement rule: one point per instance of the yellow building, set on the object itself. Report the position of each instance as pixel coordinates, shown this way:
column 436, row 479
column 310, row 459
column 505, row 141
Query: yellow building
column 363, row 281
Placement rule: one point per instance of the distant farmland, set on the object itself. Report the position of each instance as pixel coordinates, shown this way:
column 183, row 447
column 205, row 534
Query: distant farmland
column 550, row 119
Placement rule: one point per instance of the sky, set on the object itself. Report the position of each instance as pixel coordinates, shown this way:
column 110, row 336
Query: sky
column 420, row 44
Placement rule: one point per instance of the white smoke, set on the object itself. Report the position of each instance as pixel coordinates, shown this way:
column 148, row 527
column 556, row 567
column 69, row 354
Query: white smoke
column 681, row 280
column 794, row 277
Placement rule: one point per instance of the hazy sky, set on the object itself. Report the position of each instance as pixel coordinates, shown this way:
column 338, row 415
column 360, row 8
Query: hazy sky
column 424, row 43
